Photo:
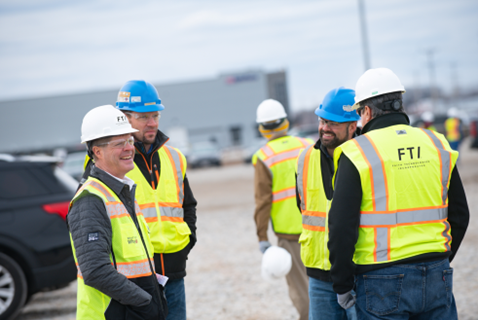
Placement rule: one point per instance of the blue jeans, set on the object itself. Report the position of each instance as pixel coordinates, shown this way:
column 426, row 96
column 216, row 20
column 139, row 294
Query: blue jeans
column 176, row 298
column 418, row 291
column 323, row 303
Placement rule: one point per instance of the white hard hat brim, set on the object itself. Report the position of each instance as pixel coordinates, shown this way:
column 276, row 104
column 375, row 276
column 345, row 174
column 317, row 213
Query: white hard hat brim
column 112, row 134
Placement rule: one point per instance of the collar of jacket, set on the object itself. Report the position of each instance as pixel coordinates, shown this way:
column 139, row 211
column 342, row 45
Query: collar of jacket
column 111, row 182
column 386, row 120
column 159, row 141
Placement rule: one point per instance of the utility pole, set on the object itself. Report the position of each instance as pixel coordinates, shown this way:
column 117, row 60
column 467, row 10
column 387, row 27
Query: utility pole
column 363, row 28
column 455, row 94
column 431, row 70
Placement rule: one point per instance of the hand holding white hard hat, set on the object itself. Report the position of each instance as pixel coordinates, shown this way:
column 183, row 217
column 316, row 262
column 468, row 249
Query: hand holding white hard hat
column 276, row 263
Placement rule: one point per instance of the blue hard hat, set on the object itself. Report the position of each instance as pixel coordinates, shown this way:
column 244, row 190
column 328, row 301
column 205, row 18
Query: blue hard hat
column 138, row 96
column 337, row 106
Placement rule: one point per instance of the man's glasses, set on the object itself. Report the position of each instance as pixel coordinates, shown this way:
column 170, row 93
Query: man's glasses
column 331, row 124
column 145, row 117
column 119, row 143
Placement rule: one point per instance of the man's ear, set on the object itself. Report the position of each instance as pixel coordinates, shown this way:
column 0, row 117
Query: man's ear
column 352, row 129
column 98, row 152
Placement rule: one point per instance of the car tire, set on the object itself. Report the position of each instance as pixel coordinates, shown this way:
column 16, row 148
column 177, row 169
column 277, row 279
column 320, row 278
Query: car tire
column 13, row 287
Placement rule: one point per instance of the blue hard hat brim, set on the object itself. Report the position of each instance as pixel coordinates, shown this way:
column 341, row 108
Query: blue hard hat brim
column 350, row 116
column 140, row 109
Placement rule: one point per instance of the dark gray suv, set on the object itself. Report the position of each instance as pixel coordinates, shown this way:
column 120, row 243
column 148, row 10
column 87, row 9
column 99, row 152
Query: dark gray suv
column 35, row 251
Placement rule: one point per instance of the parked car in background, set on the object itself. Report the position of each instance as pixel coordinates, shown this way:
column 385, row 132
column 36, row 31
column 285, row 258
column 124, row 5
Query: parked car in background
column 74, row 164
column 35, row 250
column 205, row 153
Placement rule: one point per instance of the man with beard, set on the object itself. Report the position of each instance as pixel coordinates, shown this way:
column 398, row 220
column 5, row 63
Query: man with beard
column 315, row 168
column 274, row 187
column 163, row 191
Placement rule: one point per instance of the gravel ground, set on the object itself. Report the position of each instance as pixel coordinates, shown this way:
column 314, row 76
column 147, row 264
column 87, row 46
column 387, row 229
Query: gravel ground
column 224, row 279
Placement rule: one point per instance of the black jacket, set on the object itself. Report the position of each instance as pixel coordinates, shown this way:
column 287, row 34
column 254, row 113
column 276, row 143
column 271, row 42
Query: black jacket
column 344, row 216
column 138, row 296
column 174, row 263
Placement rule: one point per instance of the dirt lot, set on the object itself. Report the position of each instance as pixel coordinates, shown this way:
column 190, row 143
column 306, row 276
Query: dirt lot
column 224, row 280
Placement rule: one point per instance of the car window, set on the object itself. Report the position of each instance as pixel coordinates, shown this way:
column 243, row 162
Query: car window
column 19, row 183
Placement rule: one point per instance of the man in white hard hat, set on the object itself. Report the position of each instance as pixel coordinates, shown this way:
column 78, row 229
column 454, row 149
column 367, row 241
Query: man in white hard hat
column 398, row 203
column 110, row 238
column 163, row 191
column 274, row 185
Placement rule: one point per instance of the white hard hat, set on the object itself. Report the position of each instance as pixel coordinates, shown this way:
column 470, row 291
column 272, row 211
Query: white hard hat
column 104, row 121
column 453, row 113
column 276, row 263
column 270, row 110
column 375, row 82
column 428, row 116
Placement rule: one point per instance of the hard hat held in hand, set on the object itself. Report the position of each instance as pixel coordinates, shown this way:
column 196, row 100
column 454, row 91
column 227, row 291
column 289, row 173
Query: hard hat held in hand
column 270, row 110
column 276, row 263
column 138, row 96
column 337, row 106
column 104, row 121
column 375, row 82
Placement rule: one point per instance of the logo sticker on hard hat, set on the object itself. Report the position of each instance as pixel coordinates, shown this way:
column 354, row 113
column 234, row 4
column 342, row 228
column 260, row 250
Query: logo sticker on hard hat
column 136, row 99
column 121, row 119
column 123, row 96
column 348, row 108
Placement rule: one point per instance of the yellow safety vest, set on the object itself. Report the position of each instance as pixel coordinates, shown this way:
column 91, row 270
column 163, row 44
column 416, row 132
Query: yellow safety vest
column 452, row 128
column 280, row 155
column 162, row 206
column 130, row 255
column 405, row 174
column 314, row 237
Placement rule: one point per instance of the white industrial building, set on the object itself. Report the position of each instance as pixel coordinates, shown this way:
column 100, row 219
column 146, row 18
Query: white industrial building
column 221, row 109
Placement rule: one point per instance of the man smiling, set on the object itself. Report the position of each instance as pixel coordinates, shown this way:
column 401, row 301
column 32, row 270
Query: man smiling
column 315, row 168
column 110, row 238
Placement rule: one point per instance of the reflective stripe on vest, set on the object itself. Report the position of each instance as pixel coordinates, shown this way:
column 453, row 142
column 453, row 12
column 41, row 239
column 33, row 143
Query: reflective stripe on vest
column 384, row 220
column 313, row 240
column 170, row 233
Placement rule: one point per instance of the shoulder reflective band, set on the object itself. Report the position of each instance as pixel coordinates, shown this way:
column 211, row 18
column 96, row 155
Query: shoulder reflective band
column 303, row 171
column 176, row 163
column 267, row 151
column 445, row 163
column 377, row 174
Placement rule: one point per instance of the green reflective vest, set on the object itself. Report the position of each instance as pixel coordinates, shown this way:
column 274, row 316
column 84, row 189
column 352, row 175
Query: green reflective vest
column 130, row 255
column 405, row 173
column 280, row 155
column 314, row 207
column 162, row 205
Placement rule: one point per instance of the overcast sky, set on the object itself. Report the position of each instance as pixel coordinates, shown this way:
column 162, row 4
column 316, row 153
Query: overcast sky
column 51, row 47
